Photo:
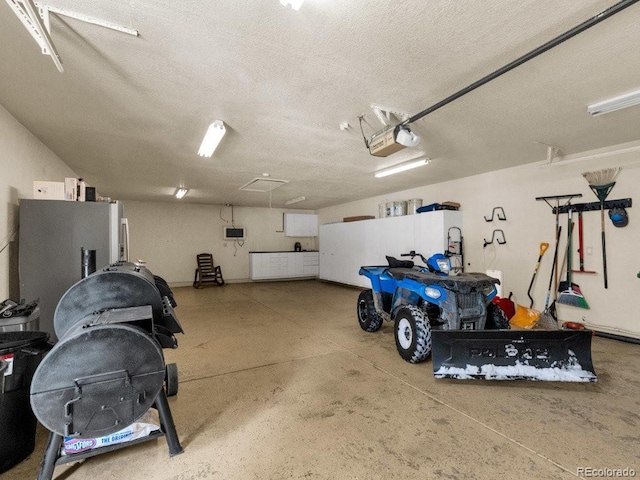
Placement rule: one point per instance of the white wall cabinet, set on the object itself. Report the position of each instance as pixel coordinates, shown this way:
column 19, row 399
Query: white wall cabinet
column 300, row 225
column 345, row 247
column 283, row 265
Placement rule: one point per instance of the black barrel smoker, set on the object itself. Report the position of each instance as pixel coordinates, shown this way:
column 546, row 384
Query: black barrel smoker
column 107, row 368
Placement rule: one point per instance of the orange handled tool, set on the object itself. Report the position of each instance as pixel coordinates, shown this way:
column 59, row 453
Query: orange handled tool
column 543, row 248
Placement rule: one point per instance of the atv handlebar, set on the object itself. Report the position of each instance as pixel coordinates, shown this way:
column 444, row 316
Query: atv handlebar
column 413, row 254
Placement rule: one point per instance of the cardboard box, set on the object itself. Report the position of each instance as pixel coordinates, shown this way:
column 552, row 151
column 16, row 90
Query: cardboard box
column 356, row 219
column 384, row 144
column 48, row 190
column 71, row 189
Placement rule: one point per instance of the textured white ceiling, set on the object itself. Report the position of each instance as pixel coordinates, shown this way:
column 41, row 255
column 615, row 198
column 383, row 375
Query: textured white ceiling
column 128, row 114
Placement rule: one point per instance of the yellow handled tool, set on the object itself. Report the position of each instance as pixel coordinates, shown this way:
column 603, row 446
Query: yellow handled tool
column 543, row 248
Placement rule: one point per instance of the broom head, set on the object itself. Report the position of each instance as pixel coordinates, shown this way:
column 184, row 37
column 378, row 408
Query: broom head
column 572, row 296
column 547, row 321
column 602, row 177
column 602, row 181
column 602, row 191
column 549, row 318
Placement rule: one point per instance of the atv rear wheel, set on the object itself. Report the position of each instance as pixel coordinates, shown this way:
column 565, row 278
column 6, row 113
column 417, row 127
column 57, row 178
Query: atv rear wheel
column 496, row 318
column 412, row 334
column 368, row 317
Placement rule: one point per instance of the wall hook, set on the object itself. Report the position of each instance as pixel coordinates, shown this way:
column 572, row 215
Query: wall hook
column 496, row 237
column 500, row 217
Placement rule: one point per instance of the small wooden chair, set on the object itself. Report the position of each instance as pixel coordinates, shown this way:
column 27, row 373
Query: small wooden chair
column 207, row 273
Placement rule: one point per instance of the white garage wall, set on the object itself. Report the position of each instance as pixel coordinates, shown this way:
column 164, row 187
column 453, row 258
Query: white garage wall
column 168, row 236
column 530, row 222
column 23, row 159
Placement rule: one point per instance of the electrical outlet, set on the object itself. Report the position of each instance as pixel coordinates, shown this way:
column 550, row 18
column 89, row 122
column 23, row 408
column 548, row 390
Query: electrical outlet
column 589, row 251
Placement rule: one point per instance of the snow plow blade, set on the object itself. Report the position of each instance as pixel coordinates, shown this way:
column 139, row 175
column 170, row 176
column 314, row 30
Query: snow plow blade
column 544, row 355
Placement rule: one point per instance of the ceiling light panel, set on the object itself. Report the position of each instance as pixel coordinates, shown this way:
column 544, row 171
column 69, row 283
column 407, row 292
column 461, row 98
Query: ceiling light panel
column 262, row 185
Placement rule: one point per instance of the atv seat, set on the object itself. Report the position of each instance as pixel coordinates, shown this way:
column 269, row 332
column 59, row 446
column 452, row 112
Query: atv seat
column 207, row 273
column 400, row 273
column 394, row 262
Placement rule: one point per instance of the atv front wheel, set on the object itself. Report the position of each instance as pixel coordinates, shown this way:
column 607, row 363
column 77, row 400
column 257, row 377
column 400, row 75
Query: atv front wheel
column 368, row 317
column 413, row 334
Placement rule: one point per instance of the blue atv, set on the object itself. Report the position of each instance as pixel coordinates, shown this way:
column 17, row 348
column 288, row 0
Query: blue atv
column 419, row 299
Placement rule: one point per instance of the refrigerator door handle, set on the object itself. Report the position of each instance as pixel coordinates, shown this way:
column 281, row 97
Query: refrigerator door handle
column 124, row 239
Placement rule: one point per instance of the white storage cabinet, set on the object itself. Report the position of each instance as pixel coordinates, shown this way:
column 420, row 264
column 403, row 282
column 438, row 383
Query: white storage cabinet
column 283, row 265
column 345, row 247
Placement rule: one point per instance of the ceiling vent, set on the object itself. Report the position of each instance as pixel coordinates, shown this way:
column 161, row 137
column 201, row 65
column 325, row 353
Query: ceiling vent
column 263, row 185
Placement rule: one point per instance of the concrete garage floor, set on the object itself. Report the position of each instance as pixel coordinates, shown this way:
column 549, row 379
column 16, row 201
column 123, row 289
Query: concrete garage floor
column 278, row 381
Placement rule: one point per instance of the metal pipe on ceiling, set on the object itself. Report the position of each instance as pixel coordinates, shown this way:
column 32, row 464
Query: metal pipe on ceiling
column 618, row 7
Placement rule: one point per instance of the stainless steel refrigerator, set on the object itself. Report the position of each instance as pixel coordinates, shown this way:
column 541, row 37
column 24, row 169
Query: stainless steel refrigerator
column 52, row 236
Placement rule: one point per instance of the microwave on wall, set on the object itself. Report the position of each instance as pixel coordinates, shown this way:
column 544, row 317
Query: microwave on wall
column 234, row 233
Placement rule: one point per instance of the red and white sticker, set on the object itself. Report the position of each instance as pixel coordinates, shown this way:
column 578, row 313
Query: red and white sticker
column 9, row 359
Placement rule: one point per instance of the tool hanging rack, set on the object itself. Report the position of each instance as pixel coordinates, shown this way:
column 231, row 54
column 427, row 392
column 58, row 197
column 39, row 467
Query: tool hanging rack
column 557, row 199
column 589, row 207
column 497, row 211
column 496, row 236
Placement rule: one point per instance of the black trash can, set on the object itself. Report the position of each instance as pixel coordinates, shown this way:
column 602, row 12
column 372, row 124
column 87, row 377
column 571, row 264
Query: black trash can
column 21, row 352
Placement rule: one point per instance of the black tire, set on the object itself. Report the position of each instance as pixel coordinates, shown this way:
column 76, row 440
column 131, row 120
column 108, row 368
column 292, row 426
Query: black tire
column 496, row 318
column 412, row 332
column 171, row 379
column 368, row 317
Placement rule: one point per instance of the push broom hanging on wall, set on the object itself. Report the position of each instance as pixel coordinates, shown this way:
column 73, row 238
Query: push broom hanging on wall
column 570, row 293
column 602, row 182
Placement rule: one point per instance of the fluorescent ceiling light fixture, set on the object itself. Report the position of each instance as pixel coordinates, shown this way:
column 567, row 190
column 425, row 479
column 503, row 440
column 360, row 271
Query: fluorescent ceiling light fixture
column 212, row 138
column 295, row 4
column 615, row 103
column 295, row 200
column 181, row 192
column 401, row 168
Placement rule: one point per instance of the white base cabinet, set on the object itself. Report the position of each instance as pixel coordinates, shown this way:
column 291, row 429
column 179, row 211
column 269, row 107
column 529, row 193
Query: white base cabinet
column 345, row 247
column 283, row 265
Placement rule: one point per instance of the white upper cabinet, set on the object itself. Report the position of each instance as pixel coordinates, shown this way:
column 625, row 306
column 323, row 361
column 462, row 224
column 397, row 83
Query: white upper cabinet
column 300, row 225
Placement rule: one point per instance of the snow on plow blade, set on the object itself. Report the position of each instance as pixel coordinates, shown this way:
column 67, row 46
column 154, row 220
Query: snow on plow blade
column 547, row 355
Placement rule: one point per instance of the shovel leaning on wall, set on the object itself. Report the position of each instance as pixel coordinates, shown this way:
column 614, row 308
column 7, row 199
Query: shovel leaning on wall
column 528, row 317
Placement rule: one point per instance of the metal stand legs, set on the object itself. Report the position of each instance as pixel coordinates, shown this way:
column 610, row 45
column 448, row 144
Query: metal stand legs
column 52, row 452
column 166, row 422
